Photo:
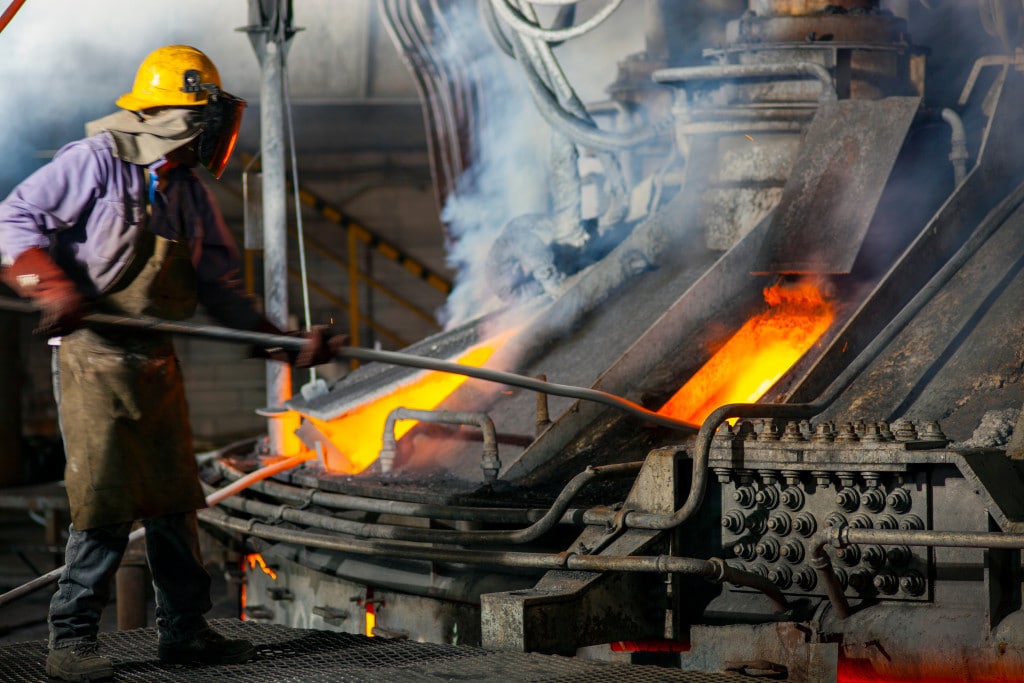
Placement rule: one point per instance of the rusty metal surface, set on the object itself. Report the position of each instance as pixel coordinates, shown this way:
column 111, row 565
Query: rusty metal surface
column 285, row 654
column 844, row 164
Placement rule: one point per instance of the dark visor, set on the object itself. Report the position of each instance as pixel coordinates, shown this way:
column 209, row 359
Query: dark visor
column 222, row 118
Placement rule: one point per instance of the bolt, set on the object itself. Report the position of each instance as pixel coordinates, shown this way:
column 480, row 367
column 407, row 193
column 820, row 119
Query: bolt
column 860, row 521
column 792, row 498
column 872, row 434
column 724, row 474
column 769, row 430
column 899, row 500
column 793, row 552
column 734, row 521
column 883, row 429
column 822, row 478
column 792, row 433
column 769, row 477
column 768, row 497
column 835, row 519
column 860, row 580
column 912, row 583
column 848, row 499
column 805, row 429
column 850, row 555
column 805, row 524
column 886, row 522
column 886, row 582
column 780, row 523
column 905, row 430
column 791, row 477
column 744, row 550
column 873, row 500
column 723, row 435
column 823, row 432
column 932, row 432
column 781, row 576
column 846, row 433
column 911, row 523
column 768, row 549
column 874, row 556
column 805, row 578
column 898, row 555
column 744, row 496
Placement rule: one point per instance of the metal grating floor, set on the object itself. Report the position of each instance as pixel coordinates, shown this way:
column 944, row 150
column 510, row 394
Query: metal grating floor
column 296, row 655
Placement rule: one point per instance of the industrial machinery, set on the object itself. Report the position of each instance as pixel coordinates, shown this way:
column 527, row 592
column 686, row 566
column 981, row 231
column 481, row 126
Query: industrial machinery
column 757, row 356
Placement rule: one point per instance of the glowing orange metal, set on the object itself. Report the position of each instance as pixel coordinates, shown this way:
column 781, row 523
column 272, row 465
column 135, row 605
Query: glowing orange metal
column 760, row 352
column 358, row 433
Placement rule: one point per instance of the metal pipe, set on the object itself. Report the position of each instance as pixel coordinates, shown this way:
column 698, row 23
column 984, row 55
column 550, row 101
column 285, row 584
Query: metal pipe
column 714, row 569
column 490, row 463
column 957, row 144
column 308, row 496
column 269, row 36
column 716, row 72
column 392, row 532
column 264, row 340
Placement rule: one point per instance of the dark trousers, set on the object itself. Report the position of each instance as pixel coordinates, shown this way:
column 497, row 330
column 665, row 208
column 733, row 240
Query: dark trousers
column 181, row 582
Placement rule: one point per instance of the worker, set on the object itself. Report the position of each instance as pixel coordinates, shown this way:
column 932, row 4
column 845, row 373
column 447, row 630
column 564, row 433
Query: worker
column 119, row 222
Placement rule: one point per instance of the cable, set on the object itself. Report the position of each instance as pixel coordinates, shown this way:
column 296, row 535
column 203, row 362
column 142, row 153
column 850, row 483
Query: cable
column 298, row 212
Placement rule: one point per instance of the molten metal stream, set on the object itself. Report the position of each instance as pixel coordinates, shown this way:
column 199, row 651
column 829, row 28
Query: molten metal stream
column 760, row 352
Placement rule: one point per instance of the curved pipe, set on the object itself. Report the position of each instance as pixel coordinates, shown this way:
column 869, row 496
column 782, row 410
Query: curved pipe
column 738, row 71
column 393, row 532
column 957, row 144
column 513, row 17
column 714, row 569
column 490, row 462
column 843, row 536
column 311, row 496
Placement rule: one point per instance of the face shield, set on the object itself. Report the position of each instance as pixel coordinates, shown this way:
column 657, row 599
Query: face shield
column 222, row 117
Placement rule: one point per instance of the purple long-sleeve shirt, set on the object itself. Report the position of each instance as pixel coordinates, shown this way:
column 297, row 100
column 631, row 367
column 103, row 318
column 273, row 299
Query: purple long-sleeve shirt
column 86, row 207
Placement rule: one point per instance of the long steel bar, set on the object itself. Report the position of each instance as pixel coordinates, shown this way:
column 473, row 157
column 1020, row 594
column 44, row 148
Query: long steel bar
column 264, row 340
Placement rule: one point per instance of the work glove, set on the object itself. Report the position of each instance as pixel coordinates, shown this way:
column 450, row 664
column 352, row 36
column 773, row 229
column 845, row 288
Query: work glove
column 35, row 276
column 320, row 347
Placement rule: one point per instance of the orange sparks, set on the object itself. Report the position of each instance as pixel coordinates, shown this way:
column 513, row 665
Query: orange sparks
column 255, row 560
column 760, row 352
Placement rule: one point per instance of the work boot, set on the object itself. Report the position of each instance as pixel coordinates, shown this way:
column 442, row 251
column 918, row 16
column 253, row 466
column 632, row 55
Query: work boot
column 81, row 662
column 205, row 647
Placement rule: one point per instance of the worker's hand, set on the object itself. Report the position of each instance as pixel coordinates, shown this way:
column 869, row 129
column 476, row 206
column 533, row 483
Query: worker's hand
column 317, row 349
column 35, row 276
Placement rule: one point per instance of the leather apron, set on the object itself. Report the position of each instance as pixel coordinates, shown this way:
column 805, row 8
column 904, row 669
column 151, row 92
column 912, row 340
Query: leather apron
column 122, row 401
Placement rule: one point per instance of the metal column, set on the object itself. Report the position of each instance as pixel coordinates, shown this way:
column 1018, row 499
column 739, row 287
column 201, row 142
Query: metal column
column 270, row 31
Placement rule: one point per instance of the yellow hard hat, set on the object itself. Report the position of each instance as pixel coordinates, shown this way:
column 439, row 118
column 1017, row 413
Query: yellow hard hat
column 167, row 78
